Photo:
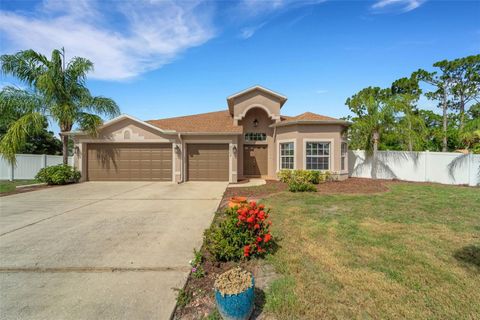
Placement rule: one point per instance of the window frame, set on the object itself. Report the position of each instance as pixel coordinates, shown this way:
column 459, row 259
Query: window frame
column 260, row 134
column 343, row 156
column 329, row 156
column 279, row 154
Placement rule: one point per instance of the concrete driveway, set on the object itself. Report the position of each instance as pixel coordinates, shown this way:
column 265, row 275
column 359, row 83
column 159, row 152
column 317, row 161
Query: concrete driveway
column 100, row 250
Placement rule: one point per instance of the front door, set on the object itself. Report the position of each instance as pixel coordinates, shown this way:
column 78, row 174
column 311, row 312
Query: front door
column 255, row 161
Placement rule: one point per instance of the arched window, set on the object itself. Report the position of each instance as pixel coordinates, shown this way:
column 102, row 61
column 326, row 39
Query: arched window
column 126, row 135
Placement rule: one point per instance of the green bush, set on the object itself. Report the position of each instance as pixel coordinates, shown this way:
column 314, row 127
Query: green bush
column 299, row 186
column 59, row 174
column 310, row 176
column 226, row 240
column 285, row 175
column 245, row 233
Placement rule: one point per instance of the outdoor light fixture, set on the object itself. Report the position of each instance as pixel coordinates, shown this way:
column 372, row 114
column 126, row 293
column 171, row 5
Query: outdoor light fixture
column 177, row 149
column 234, row 149
column 255, row 123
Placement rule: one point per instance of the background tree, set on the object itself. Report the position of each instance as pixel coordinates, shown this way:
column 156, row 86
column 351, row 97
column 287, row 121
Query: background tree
column 465, row 75
column 58, row 92
column 410, row 127
column 442, row 84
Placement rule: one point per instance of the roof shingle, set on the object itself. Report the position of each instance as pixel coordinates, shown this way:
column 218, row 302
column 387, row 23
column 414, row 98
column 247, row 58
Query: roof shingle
column 211, row 122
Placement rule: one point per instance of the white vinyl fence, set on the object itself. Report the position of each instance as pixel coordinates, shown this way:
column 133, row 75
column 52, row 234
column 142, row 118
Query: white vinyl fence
column 28, row 165
column 441, row 167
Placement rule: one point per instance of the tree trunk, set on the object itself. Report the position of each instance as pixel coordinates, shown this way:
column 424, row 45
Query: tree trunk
column 410, row 143
column 462, row 112
column 65, row 148
column 444, row 144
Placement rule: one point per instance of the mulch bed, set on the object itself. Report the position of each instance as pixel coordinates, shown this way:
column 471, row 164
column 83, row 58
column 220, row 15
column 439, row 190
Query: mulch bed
column 202, row 301
column 201, row 290
column 26, row 189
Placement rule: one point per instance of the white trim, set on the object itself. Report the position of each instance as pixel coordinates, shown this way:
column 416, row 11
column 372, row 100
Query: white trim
column 257, row 87
column 346, row 158
column 330, row 156
column 294, row 153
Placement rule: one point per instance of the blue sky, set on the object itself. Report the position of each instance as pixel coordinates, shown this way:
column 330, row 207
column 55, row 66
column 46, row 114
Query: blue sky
column 164, row 58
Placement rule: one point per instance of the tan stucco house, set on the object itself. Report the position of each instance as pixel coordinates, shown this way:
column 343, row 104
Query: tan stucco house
column 249, row 139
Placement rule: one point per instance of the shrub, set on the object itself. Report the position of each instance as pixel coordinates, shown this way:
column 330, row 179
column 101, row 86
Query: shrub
column 59, row 174
column 285, row 175
column 298, row 186
column 243, row 234
column 304, row 176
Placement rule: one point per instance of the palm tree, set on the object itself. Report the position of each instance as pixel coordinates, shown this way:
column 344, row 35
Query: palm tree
column 58, row 92
column 374, row 115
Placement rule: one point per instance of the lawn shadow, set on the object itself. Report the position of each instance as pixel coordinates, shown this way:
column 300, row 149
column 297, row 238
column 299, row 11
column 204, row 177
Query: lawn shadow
column 469, row 255
column 259, row 303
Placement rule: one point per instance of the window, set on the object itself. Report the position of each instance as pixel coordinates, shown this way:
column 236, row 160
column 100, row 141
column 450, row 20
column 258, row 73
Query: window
column 344, row 154
column 254, row 136
column 318, row 155
column 287, row 155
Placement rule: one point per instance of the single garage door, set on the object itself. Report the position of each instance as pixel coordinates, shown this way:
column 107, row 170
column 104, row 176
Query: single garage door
column 207, row 162
column 129, row 162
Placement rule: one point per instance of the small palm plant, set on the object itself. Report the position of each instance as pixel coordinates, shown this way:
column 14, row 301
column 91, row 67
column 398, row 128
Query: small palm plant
column 57, row 92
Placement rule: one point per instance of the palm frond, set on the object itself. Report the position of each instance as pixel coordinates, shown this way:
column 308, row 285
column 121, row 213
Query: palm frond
column 89, row 123
column 16, row 135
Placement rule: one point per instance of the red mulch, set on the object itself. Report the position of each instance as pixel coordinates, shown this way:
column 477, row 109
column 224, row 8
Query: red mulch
column 354, row 186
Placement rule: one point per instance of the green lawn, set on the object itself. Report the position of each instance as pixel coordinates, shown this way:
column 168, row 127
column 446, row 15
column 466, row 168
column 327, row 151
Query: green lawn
column 411, row 253
column 8, row 186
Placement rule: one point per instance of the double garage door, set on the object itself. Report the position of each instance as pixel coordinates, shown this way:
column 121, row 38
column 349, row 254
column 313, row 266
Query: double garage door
column 129, row 162
column 153, row 162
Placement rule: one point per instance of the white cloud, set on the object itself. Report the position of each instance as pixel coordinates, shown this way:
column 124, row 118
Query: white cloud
column 247, row 32
column 144, row 35
column 401, row 5
column 321, row 91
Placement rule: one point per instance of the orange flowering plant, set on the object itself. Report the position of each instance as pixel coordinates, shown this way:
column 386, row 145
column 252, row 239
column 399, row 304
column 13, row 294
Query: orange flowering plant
column 245, row 233
column 253, row 218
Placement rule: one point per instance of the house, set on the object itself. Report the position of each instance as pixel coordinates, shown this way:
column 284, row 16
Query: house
column 249, row 139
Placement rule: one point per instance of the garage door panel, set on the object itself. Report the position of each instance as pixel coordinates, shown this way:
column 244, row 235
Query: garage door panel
column 114, row 162
column 208, row 162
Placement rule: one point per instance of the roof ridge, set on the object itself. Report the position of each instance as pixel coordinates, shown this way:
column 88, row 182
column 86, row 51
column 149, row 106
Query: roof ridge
column 190, row 115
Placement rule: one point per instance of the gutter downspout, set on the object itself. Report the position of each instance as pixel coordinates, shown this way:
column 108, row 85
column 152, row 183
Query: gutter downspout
column 181, row 159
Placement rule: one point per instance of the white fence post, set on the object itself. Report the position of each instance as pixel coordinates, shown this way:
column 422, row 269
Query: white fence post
column 44, row 164
column 11, row 171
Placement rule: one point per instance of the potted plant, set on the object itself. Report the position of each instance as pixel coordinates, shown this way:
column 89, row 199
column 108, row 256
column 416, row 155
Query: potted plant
column 234, row 294
column 237, row 202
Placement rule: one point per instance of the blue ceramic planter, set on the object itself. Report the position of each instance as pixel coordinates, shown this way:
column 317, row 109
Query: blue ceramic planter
column 236, row 306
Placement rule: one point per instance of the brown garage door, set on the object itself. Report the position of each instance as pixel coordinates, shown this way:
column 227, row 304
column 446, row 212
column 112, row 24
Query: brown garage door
column 207, row 162
column 129, row 162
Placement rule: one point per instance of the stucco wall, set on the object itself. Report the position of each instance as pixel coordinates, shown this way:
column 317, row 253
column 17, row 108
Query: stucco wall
column 124, row 131
column 256, row 98
column 302, row 133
